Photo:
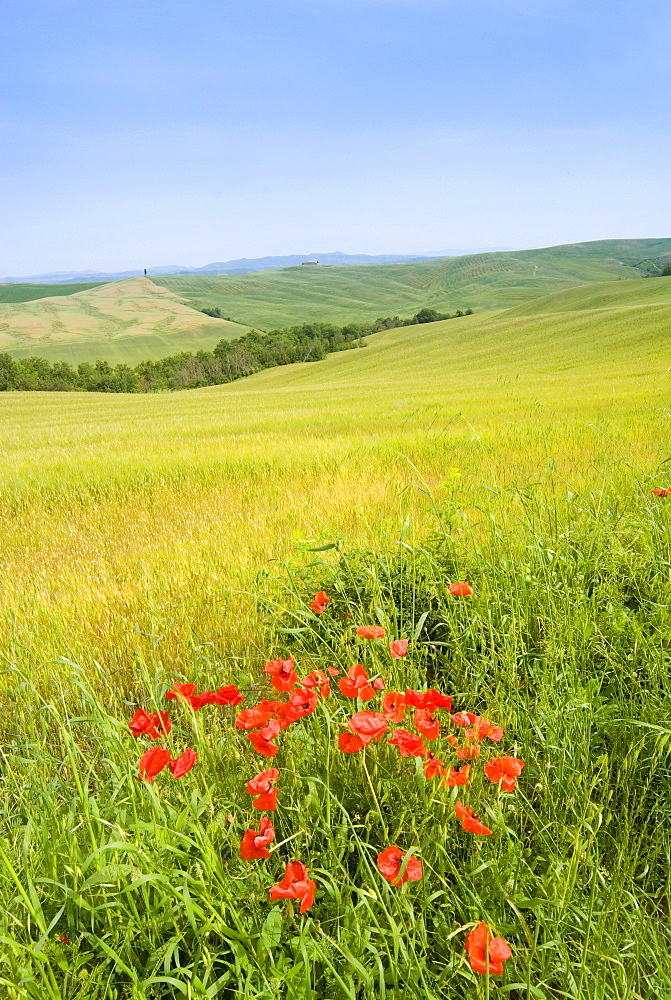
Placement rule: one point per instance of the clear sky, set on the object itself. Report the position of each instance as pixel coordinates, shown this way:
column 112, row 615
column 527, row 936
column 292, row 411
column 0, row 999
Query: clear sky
column 145, row 132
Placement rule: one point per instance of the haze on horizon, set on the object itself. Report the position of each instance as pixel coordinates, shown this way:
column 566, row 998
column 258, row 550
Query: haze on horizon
column 193, row 131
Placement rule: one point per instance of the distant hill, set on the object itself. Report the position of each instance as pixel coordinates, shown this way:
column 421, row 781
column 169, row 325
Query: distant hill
column 271, row 299
column 142, row 318
column 21, row 292
column 124, row 321
column 244, row 265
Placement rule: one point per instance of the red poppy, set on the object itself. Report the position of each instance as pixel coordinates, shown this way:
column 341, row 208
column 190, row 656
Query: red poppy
column 398, row 648
column 390, row 862
column 506, row 770
column 282, row 674
column 295, row 885
column 481, row 728
column 303, row 702
column 368, row 726
column 393, row 706
column 255, row 845
column 464, row 719
column 154, row 726
column 469, row 821
column 458, row 777
column 182, row 764
column 318, row 681
column 350, row 743
column 452, row 740
column 486, row 953
column 334, row 672
column 426, row 725
column 262, row 786
column 468, row 752
column 429, row 700
column 261, row 739
column 152, row 762
column 370, row 631
column 254, row 718
column 433, row 768
column 64, row 939
column 662, row 492
column 460, row 589
column 408, row 744
column 357, row 684
column 184, row 692
column 319, row 602
column 228, row 695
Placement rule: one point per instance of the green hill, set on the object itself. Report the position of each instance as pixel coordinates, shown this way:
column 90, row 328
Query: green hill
column 121, row 321
column 270, row 299
column 26, row 292
column 602, row 295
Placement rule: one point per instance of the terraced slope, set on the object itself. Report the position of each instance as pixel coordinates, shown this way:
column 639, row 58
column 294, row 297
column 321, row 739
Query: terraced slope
column 270, row 299
column 128, row 321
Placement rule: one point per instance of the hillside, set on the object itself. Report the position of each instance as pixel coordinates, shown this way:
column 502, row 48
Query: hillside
column 28, row 291
column 601, row 295
column 124, row 321
column 270, row 299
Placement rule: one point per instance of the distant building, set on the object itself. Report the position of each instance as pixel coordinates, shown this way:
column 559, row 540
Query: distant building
column 309, row 262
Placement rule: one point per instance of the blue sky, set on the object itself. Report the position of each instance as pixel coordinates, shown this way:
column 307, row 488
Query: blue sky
column 188, row 131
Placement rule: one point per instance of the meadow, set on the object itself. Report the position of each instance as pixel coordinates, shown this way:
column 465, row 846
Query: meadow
column 148, row 541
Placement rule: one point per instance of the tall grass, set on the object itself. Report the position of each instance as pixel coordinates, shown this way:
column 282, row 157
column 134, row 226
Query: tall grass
column 146, row 542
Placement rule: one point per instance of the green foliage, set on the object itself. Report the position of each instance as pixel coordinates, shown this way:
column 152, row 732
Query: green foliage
column 230, row 360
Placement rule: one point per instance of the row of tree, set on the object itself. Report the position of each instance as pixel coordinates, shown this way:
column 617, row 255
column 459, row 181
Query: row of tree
column 230, row 359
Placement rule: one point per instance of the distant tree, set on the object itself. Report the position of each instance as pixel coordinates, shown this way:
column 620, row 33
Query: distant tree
column 666, row 270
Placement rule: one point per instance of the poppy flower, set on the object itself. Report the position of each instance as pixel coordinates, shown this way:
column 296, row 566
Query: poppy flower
column 152, row 762
column 506, row 770
column 259, row 715
column 319, row 602
column 370, row 632
column 64, row 939
column 468, row 752
column 429, row 700
column 390, row 862
column 303, row 702
column 154, row 726
column 184, row 692
column 408, row 744
column 261, row 785
column 357, row 684
column 662, row 492
column 295, row 885
column 460, row 589
column 255, row 845
column 486, row 953
column 393, row 706
column 463, row 719
column 398, row 648
column 350, row 743
column 261, row 740
column 368, row 726
column 433, row 768
column 426, row 725
column 483, row 728
column 334, row 672
column 228, row 695
column 182, row 764
column 318, row 681
column 456, row 777
column 469, row 821
column 283, row 677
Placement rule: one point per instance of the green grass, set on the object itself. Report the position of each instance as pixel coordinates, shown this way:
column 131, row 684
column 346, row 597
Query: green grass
column 604, row 295
column 157, row 539
column 271, row 299
column 25, row 292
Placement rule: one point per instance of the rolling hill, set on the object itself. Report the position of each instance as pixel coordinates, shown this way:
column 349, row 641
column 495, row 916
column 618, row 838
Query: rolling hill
column 270, row 299
column 123, row 321
column 29, row 291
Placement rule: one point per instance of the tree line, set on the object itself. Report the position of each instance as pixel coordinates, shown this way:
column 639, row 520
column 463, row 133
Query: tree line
column 230, row 359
